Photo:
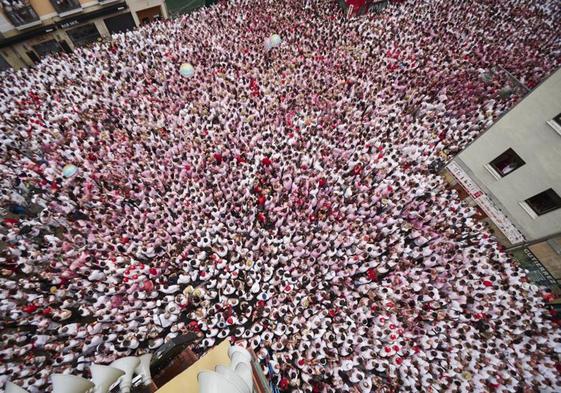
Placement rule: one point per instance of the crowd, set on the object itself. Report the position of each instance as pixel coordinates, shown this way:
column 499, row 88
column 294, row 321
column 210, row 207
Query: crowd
column 286, row 199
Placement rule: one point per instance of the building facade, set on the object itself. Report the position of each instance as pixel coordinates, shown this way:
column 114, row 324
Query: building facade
column 513, row 173
column 513, row 170
column 32, row 29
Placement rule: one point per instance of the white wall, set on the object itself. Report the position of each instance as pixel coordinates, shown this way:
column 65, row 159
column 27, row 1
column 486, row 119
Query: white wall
column 524, row 129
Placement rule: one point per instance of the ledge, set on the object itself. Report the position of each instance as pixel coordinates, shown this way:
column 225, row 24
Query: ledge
column 28, row 25
column 528, row 210
column 492, row 171
column 556, row 127
column 70, row 12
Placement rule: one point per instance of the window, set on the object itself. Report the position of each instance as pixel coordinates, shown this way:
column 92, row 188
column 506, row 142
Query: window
column 544, row 202
column 65, row 6
column 19, row 12
column 507, row 163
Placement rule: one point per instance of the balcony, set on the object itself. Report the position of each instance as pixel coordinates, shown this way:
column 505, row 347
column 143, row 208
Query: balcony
column 20, row 13
column 66, row 7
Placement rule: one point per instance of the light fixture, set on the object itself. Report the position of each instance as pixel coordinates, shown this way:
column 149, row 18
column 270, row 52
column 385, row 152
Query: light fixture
column 233, row 378
column 13, row 388
column 143, row 369
column 66, row 383
column 212, row 382
column 245, row 373
column 128, row 365
column 245, row 355
column 104, row 377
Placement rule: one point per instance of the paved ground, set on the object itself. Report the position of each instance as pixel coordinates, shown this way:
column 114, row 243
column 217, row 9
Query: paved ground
column 550, row 259
column 537, row 272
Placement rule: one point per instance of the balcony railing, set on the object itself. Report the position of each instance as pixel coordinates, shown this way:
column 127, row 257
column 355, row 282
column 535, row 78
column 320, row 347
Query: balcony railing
column 19, row 12
column 65, row 6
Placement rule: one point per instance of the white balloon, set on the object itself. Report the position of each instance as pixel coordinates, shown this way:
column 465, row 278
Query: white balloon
column 69, row 170
column 276, row 40
column 187, row 70
column 268, row 44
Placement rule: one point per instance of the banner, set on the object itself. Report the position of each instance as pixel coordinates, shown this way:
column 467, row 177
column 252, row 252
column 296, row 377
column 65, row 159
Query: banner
column 486, row 204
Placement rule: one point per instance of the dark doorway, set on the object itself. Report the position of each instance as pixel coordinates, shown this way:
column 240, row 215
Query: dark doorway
column 65, row 47
column 120, row 23
column 84, row 35
column 147, row 15
column 47, row 48
column 4, row 64
column 33, row 56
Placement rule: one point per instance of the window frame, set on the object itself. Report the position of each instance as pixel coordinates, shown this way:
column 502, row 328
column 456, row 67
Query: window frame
column 555, row 123
column 491, row 166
